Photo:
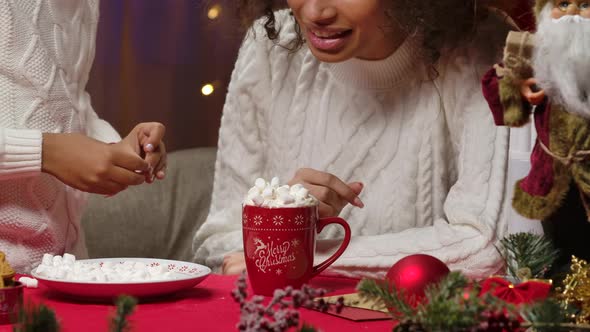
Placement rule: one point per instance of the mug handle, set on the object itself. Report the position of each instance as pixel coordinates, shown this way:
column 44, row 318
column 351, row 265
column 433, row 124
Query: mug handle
column 323, row 223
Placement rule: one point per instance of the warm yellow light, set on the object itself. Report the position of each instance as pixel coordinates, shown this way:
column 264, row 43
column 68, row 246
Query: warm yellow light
column 214, row 12
column 207, row 89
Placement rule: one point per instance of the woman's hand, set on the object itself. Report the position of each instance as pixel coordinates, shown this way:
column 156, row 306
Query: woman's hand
column 233, row 263
column 530, row 91
column 332, row 192
column 92, row 166
column 146, row 140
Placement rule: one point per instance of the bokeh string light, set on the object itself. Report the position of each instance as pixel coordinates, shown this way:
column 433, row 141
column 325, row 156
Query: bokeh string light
column 214, row 12
column 207, row 89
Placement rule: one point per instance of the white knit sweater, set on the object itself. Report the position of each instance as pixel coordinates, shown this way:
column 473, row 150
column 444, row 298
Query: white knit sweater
column 46, row 51
column 431, row 159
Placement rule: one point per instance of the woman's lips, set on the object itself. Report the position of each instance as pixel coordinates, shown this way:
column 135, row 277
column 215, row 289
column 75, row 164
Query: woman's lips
column 328, row 40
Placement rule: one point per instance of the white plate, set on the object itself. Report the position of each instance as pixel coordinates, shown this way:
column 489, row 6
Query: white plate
column 187, row 275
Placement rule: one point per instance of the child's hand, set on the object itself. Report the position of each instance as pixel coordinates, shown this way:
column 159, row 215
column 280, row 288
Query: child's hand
column 89, row 165
column 146, row 140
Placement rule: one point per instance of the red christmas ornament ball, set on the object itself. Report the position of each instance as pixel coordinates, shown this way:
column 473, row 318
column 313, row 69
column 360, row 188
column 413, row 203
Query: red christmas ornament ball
column 412, row 274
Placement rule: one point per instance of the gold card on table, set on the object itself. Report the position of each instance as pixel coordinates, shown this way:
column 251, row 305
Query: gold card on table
column 358, row 309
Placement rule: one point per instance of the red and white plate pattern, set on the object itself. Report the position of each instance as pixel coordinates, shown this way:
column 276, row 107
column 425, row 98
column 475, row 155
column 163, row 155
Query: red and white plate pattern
column 187, row 275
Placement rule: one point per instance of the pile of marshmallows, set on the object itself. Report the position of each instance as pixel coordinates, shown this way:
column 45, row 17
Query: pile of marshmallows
column 66, row 268
column 271, row 195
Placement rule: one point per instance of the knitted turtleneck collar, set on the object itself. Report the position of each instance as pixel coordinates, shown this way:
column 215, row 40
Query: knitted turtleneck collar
column 379, row 74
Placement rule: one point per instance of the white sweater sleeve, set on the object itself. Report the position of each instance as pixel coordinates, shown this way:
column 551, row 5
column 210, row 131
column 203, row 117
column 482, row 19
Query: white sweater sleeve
column 465, row 239
column 240, row 154
column 98, row 128
column 21, row 149
column 20, row 153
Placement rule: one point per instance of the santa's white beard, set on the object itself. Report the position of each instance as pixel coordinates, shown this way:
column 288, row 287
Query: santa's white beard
column 562, row 60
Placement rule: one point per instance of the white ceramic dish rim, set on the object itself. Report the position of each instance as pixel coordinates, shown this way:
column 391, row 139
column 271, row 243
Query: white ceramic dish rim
column 203, row 271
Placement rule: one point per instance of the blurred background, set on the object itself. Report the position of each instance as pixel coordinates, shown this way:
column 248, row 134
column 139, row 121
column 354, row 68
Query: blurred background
column 170, row 61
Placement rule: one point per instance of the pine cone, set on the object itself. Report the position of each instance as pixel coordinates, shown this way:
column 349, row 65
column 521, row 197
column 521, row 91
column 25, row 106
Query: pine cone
column 409, row 326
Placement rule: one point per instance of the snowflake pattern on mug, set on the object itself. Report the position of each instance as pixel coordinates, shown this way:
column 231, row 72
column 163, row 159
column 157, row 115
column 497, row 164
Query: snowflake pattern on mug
column 279, row 272
column 245, row 218
column 277, row 220
column 295, row 243
column 299, row 220
column 257, row 220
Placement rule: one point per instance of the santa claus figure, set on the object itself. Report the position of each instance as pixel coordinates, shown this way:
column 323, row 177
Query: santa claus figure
column 552, row 81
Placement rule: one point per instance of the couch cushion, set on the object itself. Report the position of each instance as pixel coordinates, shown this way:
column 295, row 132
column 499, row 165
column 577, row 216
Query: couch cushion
column 154, row 220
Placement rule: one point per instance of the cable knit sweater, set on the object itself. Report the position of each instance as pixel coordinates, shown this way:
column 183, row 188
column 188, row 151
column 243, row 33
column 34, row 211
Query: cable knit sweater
column 46, row 51
column 431, row 159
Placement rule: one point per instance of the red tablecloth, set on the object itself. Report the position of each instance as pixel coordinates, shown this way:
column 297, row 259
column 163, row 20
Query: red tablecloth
column 207, row 307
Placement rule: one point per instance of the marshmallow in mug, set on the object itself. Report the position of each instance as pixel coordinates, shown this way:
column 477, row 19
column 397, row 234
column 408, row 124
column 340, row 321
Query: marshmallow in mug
column 67, row 268
column 270, row 194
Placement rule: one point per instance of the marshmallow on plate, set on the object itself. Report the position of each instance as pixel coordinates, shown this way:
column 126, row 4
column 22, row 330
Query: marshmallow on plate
column 68, row 269
column 29, row 282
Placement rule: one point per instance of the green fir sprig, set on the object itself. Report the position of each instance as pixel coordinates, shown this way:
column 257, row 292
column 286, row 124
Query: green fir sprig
column 546, row 316
column 307, row 328
column 39, row 317
column 451, row 305
column 35, row 318
column 125, row 307
column 528, row 255
column 386, row 295
column 455, row 305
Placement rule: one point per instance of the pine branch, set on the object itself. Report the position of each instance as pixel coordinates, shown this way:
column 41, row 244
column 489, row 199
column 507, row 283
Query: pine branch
column 34, row 318
column 546, row 311
column 381, row 294
column 528, row 255
column 454, row 305
column 449, row 306
column 551, row 315
column 307, row 328
column 448, row 288
column 125, row 307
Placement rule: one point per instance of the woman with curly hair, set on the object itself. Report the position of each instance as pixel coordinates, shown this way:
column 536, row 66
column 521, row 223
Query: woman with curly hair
column 378, row 99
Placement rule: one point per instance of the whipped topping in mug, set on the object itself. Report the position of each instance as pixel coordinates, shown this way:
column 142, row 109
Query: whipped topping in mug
column 270, row 194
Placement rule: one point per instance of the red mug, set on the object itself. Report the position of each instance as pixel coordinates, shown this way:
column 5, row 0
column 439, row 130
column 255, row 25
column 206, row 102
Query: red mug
column 279, row 245
column 11, row 302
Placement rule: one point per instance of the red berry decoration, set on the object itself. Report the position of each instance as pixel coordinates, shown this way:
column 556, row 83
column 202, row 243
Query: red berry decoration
column 413, row 273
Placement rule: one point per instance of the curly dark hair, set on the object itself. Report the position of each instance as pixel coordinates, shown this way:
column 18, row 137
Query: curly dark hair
column 441, row 22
